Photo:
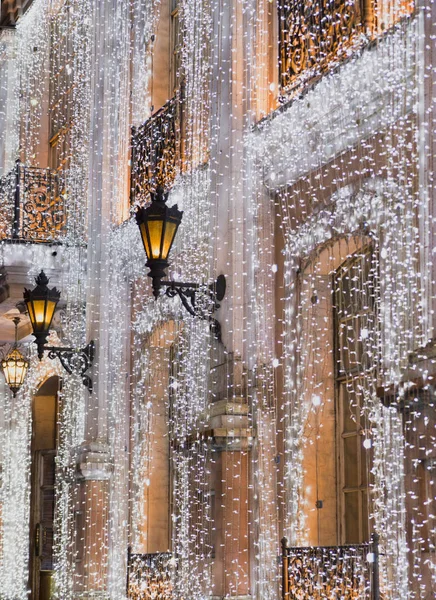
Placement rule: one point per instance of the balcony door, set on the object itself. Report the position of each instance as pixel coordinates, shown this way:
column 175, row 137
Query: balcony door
column 355, row 291
column 44, row 442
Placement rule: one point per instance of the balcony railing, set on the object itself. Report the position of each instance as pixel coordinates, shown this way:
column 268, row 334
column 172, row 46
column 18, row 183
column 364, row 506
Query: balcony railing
column 157, row 151
column 149, row 576
column 324, row 572
column 31, row 206
column 313, row 35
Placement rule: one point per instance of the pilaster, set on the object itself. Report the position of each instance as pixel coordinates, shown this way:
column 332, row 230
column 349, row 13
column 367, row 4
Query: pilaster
column 91, row 521
column 8, row 107
column 232, row 437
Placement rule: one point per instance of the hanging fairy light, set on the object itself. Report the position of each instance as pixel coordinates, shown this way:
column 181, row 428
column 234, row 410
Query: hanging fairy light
column 15, row 366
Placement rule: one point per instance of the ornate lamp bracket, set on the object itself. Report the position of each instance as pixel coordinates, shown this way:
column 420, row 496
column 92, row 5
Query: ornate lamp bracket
column 211, row 296
column 75, row 360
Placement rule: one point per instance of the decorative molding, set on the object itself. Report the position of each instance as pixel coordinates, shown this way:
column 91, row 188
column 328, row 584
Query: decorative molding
column 94, row 462
column 345, row 101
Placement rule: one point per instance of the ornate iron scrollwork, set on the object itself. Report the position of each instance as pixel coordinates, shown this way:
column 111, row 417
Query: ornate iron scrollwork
column 32, row 208
column 204, row 307
column 41, row 206
column 156, row 151
column 314, row 34
column 316, row 572
column 75, row 361
column 149, row 576
column 7, row 195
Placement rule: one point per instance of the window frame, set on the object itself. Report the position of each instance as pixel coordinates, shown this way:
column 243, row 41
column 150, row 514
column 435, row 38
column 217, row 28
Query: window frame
column 342, row 378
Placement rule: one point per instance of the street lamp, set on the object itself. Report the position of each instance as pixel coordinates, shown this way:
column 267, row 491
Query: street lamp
column 158, row 225
column 41, row 304
column 15, row 365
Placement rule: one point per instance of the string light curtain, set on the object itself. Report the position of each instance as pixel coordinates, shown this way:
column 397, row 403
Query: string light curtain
column 234, row 180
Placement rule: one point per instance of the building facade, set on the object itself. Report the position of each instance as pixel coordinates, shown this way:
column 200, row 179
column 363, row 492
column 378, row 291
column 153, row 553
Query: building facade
column 275, row 438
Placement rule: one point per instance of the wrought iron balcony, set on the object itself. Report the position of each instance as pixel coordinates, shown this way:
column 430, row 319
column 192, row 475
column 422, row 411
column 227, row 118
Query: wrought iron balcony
column 320, row 572
column 316, row 36
column 157, row 151
column 149, row 576
column 32, row 209
column 313, row 35
column 11, row 11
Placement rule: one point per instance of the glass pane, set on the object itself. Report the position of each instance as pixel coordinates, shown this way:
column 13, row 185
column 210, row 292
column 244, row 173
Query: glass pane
column 51, row 306
column 47, row 541
column 364, row 461
column 351, row 345
column 365, row 517
column 155, row 233
column 350, row 461
column 145, row 240
column 359, row 323
column 352, row 518
column 348, row 409
column 47, row 509
column 344, row 333
column 343, row 301
column 170, row 232
column 49, row 470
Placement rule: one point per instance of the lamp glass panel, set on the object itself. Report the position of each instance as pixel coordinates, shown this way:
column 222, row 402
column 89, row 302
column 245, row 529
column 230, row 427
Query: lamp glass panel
column 170, row 232
column 155, row 233
column 50, row 310
column 143, row 230
column 31, row 313
column 41, row 313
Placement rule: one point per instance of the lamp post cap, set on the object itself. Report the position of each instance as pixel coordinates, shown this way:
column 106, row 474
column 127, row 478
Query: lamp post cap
column 42, row 290
column 160, row 195
column 42, row 279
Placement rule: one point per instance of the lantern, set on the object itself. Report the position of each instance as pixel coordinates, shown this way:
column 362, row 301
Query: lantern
column 41, row 303
column 158, row 225
column 15, row 365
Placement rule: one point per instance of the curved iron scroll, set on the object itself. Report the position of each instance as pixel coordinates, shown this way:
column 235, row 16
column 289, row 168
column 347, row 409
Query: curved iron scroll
column 317, row 572
column 314, row 35
column 75, row 360
column 156, row 151
column 210, row 298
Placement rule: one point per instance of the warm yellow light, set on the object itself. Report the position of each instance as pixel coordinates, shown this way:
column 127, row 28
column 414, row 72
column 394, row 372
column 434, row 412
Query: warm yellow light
column 41, row 304
column 41, row 313
column 15, row 368
column 158, row 236
column 155, row 233
column 170, row 232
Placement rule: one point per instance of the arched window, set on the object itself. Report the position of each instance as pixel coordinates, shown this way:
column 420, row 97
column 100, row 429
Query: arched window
column 44, row 446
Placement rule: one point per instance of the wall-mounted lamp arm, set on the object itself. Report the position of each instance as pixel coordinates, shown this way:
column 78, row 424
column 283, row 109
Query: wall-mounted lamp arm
column 75, row 360
column 187, row 293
